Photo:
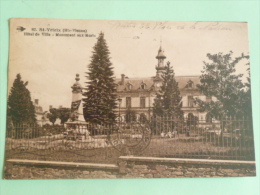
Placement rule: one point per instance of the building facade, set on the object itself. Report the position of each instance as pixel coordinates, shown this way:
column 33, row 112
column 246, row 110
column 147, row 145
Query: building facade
column 138, row 94
column 41, row 116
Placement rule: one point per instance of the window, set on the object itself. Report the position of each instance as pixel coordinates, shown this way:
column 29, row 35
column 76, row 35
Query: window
column 209, row 118
column 190, row 101
column 142, row 102
column 128, row 102
column 191, row 119
column 129, row 86
column 143, row 85
column 189, row 84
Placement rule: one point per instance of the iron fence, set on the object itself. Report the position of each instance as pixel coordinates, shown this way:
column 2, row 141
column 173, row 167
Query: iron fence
column 81, row 142
column 227, row 138
column 163, row 136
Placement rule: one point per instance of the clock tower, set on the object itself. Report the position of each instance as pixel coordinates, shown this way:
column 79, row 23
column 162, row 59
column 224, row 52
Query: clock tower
column 160, row 65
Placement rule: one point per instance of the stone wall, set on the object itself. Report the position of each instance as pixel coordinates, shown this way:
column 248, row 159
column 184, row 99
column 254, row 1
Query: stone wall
column 38, row 172
column 130, row 167
column 147, row 167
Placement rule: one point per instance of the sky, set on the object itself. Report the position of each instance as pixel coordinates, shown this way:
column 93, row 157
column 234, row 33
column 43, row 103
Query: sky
column 50, row 61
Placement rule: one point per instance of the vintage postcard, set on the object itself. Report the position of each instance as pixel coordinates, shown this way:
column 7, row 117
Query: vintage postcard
column 128, row 99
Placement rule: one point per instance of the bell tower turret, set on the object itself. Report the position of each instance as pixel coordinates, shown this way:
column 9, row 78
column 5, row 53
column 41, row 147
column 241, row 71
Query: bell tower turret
column 160, row 66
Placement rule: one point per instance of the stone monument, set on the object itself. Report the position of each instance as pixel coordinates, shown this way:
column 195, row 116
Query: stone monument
column 76, row 104
column 77, row 123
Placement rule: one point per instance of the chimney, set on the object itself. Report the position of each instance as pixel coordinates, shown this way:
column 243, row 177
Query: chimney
column 36, row 101
column 122, row 79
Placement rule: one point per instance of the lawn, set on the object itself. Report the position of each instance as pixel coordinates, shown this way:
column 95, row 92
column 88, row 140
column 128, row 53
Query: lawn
column 198, row 147
column 99, row 151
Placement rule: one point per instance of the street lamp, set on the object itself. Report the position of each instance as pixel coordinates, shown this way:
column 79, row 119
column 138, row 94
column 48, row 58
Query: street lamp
column 119, row 116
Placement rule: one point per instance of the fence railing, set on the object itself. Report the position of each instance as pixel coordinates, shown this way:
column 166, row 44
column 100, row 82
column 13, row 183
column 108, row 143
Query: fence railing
column 226, row 138
column 72, row 142
column 163, row 136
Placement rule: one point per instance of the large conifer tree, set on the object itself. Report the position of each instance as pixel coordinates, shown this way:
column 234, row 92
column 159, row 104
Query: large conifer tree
column 100, row 95
column 168, row 99
column 20, row 107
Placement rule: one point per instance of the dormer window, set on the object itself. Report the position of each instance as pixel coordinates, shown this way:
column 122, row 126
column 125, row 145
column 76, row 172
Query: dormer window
column 143, row 85
column 129, row 86
column 190, row 84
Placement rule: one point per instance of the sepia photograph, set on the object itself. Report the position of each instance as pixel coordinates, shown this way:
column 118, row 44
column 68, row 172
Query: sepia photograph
column 115, row 99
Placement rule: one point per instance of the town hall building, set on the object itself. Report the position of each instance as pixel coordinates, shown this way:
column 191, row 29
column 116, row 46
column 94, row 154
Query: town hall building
column 138, row 94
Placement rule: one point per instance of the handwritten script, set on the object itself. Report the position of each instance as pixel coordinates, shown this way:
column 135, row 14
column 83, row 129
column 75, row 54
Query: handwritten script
column 170, row 26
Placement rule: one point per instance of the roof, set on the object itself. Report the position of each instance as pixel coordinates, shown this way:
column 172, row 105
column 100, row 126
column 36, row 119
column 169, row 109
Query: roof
column 183, row 80
column 149, row 82
column 135, row 83
column 160, row 54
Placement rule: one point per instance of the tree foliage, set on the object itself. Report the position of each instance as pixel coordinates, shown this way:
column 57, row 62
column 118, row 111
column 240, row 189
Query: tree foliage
column 219, row 79
column 130, row 116
column 62, row 113
column 100, row 95
column 143, row 118
column 168, row 99
column 52, row 115
column 20, row 106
